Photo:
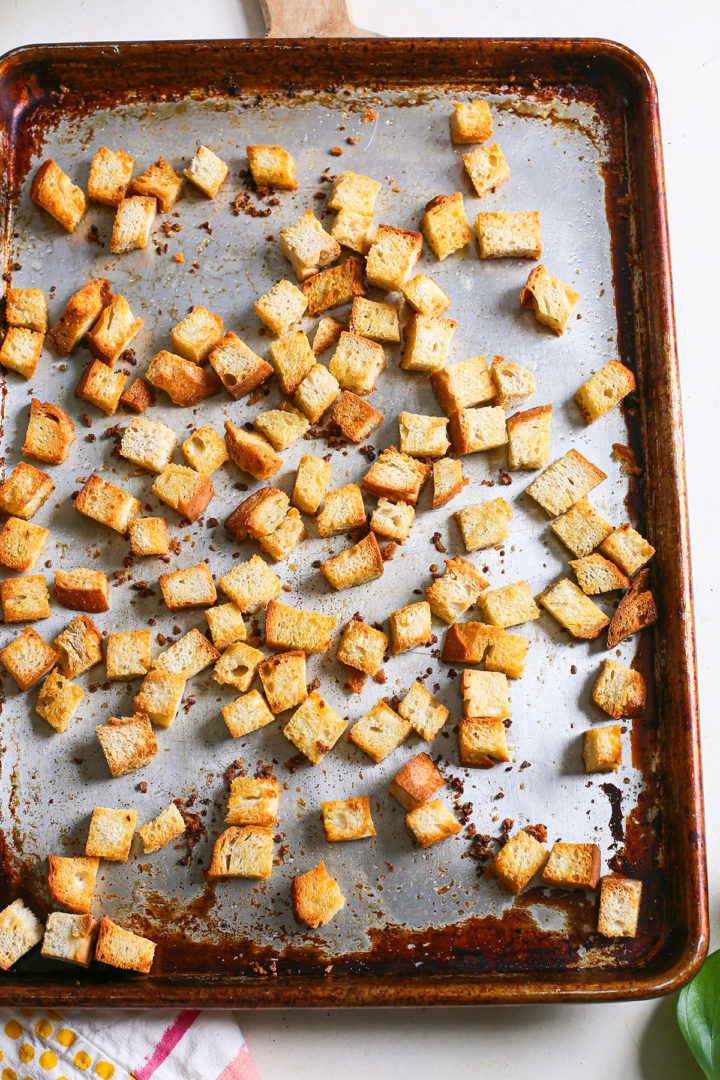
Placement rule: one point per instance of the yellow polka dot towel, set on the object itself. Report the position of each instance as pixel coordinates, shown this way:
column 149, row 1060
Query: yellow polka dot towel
column 39, row 1044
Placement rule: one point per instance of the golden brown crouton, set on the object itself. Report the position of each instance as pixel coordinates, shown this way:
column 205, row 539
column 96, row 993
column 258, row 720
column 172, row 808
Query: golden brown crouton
column 626, row 547
column 272, row 166
column 58, row 701
column 205, row 450
column 484, row 525
column 237, row 666
column 392, row 256
column 314, row 728
column 334, row 286
column 392, row 520
column 424, row 712
column 251, row 585
column 379, row 732
column 258, row 515
column 509, row 606
column 316, row 393
column 347, row 819
column 19, row 932
column 513, row 384
column 293, row 628
column 282, row 426
column 357, row 363
column 110, row 172
column 619, row 690
column 159, row 697
column 356, row 566
column 355, row 231
column 457, row 589
column 107, row 504
column 245, row 851
column 21, row 351
column 482, row 742
column 133, row 221
column 54, row 191
column 474, row 430
column 281, row 542
column 448, row 481
column 604, row 390
column 24, row 599
column 207, row 171
column 552, row 301
column 281, row 307
column 515, row 235
column 356, row 418
column 445, row 225
column 101, row 387
column 162, row 830
column 427, row 343
column 184, row 490
column 507, row 654
column 69, row 938
column 517, row 862
column 425, row 295
column 226, row 624
column 283, row 679
column 459, row 386
column 110, row 834
column 139, row 396
column 308, row 246
column 342, row 512
column 50, row 433
column 410, row 627
column 121, row 949
column 78, row 647
column 251, row 452
column 572, row 866
column 423, row 436
column 467, row 642
column 72, row 881
column 149, row 536
column 184, row 382
column 327, row 333
column 26, row 308
column 373, row 320
column 83, row 589
column 113, row 332
column 619, row 906
column 351, row 191
column 417, row 781
column 127, row 742
column 247, row 713
column 565, row 482
column 148, row 443
column 292, row 359
column 573, row 609
column 28, row 658
column 471, row 122
column 311, row 480
column 316, row 897
column 253, row 801
column 396, row 476
column 602, row 748
column 239, row 369
column 191, row 587
column 487, row 167
column 485, row 694
column 21, row 544
column 581, row 529
column 596, row 574
column 529, row 438
column 196, row 335
column 159, row 181
column 81, row 311
column 362, row 647
column 432, row 822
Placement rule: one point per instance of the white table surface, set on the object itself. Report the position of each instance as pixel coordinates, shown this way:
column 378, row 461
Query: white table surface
column 681, row 43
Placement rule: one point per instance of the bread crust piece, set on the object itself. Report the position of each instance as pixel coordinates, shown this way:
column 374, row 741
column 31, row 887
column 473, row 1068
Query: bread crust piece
column 243, row 851
column 191, row 587
column 619, row 691
column 316, row 897
column 417, row 781
column 293, row 628
column 445, row 225
column 184, row 490
column 78, row 647
column 71, row 881
column 253, row 801
column 392, row 257
column 482, row 742
column 347, row 819
column 184, row 382
column 636, row 611
column 54, row 191
column 355, row 417
column 314, row 728
column 110, row 172
column 572, row 866
column 81, row 311
column 334, row 286
column 397, row 476
column 159, row 181
column 162, row 830
column 357, row 565
column 471, row 122
column 552, row 301
column 565, row 482
column 50, row 433
column 123, row 949
column 517, row 862
column 127, row 742
column 432, row 822
column 19, row 932
column 251, row 452
column 380, row 732
column 503, row 235
column 24, row 599
column 239, row 369
column 28, row 658
column 604, row 390
column 107, row 504
column 82, row 590
column 619, row 906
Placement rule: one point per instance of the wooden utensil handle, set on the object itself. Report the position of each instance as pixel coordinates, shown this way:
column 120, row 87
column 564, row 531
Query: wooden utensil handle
column 310, row 18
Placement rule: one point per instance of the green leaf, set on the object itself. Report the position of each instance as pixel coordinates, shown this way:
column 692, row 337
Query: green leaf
column 698, row 1013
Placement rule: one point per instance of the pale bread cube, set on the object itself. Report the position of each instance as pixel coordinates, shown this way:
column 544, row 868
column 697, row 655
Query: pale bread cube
column 272, row 166
column 69, row 938
column 122, row 949
column 432, row 822
column 205, row 450
column 293, row 628
column 71, row 881
column 251, row 452
column 573, row 609
column 487, row 167
column 316, row 393
column 565, row 482
column 21, row 350
column 427, row 343
column 281, row 307
column 159, row 182
column 596, row 574
column 581, row 529
column 207, row 171
column 626, row 547
column 243, row 851
column 517, row 862
column 509, row 606
column 127, row 742
column 133, row 221
column 445, row 225
column 396, row 476
column 110, row 172
column 357, row 363
column 308, row 246
column 251, row 584
column 316, row 897
column 114, row 331
column 484, row 525
column 379, row 732
column 237, row 666
column 197, row 334
column 185, row 382
column 28, row 658
column 239, row 369
column 107, row 504
column 602, row 749
column 110, row 834
column 50, row 433
column 148, row 443
column 374, row 320
column 247, row 713
column 78, row 647
column 226, row 624
column 423, row 436
column 281, row 542
column 471, row 122
column 81, row 311
column 58, row 701
column 283, row 679
column 352, row 191
column 354, row 231
column 334, row 286
column 188, row 656
column 417, row 782
column 190, row 587
column 27, row 308
column 311, row 480
column 54, row 191
column 355, row 417
column 572, row 866
column 482, row 742
column 448, row 481
column 149, row 536
column 410, row 627
column 485, row 694
column 459, row 386
column 503, row 235
column 392, row 521
column 423, row 712
column 604, row 390
column 314, row 728
column 362, row 647
column 619, row 690
column 282, row 426
column 356, row 566
column 253, row 801
column 347, row 819
column 343, row 511
column 24, row 599
column 128, row 654
column 619, row 906
column 162, row 830
column 456, row 590
column 160, row 696
column 513, row 384
column 552, row 301
column 292, row 359
column 25, row 491
column 20, row 931
column 529, row 438
column 327, row 333
column 392, row 257
column 474, row 430
column 507, row 654
column 425, row 295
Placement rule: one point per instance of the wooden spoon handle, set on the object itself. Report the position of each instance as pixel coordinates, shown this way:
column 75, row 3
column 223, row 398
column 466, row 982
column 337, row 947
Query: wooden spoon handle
column 310, row 18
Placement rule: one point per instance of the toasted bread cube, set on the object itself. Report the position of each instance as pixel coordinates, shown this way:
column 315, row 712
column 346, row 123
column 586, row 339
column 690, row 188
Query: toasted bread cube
column 50, row 433
column 351, row 191
column 122, row 949
column 258, row 515
column 432, row 822
column 110, row 834
column 251, row 585
column 127, row 742
column 308, row 246
column 149, row 536
column 21, row 350
column 581, row 529
column 159, row 181
column 482, row 742
column 356, row 566
column 392, row 257
column 604, row 390
column 253, row 801
column 427, row 343
column 185, row 382
column 272, row 166
column 280, row 543
column 281, row 427
column 246, row 713
column 355, row 231
column 487, row 167
column 58, row 701
column 423, row 436
column 517, row 862
column 314, row 728
column 467, row 642
column 28, row 658
column 24, row 599
column 196, row 335
column 619, row 690
column 311, row 480
column 410, row 627
column 288, row 628
column 445, row 225
column 207, row 171
column 423, row 712
column 456, row 590
column 356, row 418
column 565, row 482
column 20, row 931
column 139, row 396
column 72, row 881
column 26, row 308
column 239, row 369
column 509, row 236
column 133, row 221
column 78, row 647
column 572, row 866
column 281, row 307
column 334, row 286
column 596, row 574
column 485, row 694
column 362, row 647
column 448, row 481
column 508, row 654
column 459, row 386
column 70, row 938
column 159, row 697
column 292, row 359
column 107, row 504
column 316, row 393
column 327, row 333
column 509, row 606
column 148, row 443
column 226, row 624
column 627, row 548
column 357, row 363
column 251, row 452
column 417, row 782
column 237, row 666
column 513, row 384
column 471, row 122
column 100, row 386
column 343, row 511
column 425, row 295
column 619, row 906
column 379, row 732
column 191, row 587
column 283, row 679
column 316, row 897
column 115, row 329
column 162, row 830
column 552, row 301
column 347, row 819
column 473, row 430
column 573, row 609
column 81, row 311
column 184, row 490
column 54, row 191
column 484, row 525
column 392, row 520
column 373, row 320
column 602, row 749
column 529, row 438
column 110, row 172
column 205, row 450
column 245, row 851
column 21, row 544
column 128, row 654
column 635, row 612
column 397, row 476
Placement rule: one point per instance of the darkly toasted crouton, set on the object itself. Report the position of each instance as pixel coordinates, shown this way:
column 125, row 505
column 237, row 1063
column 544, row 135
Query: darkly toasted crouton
column 635, row 612
column 356, row 417
column 251, row 452
column 81, row 311
column 185, row 382
column 159, row 181
column 334, row 286
column 82, row 590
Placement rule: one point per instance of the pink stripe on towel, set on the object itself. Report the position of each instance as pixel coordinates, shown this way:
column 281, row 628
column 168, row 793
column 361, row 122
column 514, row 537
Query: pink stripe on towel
column 241, row 1067
column 168, row 1041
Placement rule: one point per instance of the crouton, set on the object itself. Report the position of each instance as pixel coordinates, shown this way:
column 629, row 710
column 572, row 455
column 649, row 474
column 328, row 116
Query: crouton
column 122, row 949
column 159, row 181
column 78, row 647
column 184, row 490
column 596, row 574
column 517, row 862
column 110, row 172
column 50, row 433
column 148, row 443
column 509, row 606
column 487, row 167
column 581, row 529
column 392, row 521
column 283, row 540
column 347, row 819
column 357, row 363
column 484, row 525
column 281, row 427
column 127, row 742
column 113, row 332
column 205, row 450
column 604, row 390
column 272, row 166
column 356, row 418
column 28, row 658
column 281, row 307
column 362, row 647
column 19, row 932
column 619, row 691
column 239, row 369
column 128, row 654
column 107, row 504
column 159, row 697
column 619, row 906
column 334, row 286
column 184, row 382
column 482, row 742
column 308, row 246
column 425, row 295
column 552, row 301
column 54, row 191
column 379, row 732
column 21, row 544
column 473, row 430
column 139, row 396
column 316, row 897
column 292, row 359
column 69, row 938
column 396, row 476
column 327, row 333
column 456, row 590
column 58, row 701
column 515, row 236
column 356, row 566
column 24, row 599
column 242, row 851
column 196, row 335
column 602, row 749
column 573, row 609
column 311, row 480
column 314, row 728
column 458, row 386
column 427, row 343
column 162, row 830
column 20, row 351
column 485, row 694
column 417, row 782
column 627, row 548
column 250, row 585
column 83, row 590
column 101, row 387
column 351, row 191
column 507, row 654
column 343, row 511
column 432, row 822
column 226, row 624
column 251, row 452
column 246, row 713
column 448, row 481
column 471, row 122
column 133, row 221
column 572, row 866
column 149, row 536
column 355, row 231
column 423, row 436
column 513, row 384
column 72, row 881
column 316, row 393
column 237, row 666
column 207, row 172
column 110, row 834
column 467, row 642
column 253, row 801
column 445, row 225
column 636, row 611
column 410, row 627
column 26, row 308
column 288, row 628
column 424, row 712
column 392, row 257
column 565, row 482
column 283, row 679
column 258, row 515
column 81, row 311
column 374, row 320
column 529, row 438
